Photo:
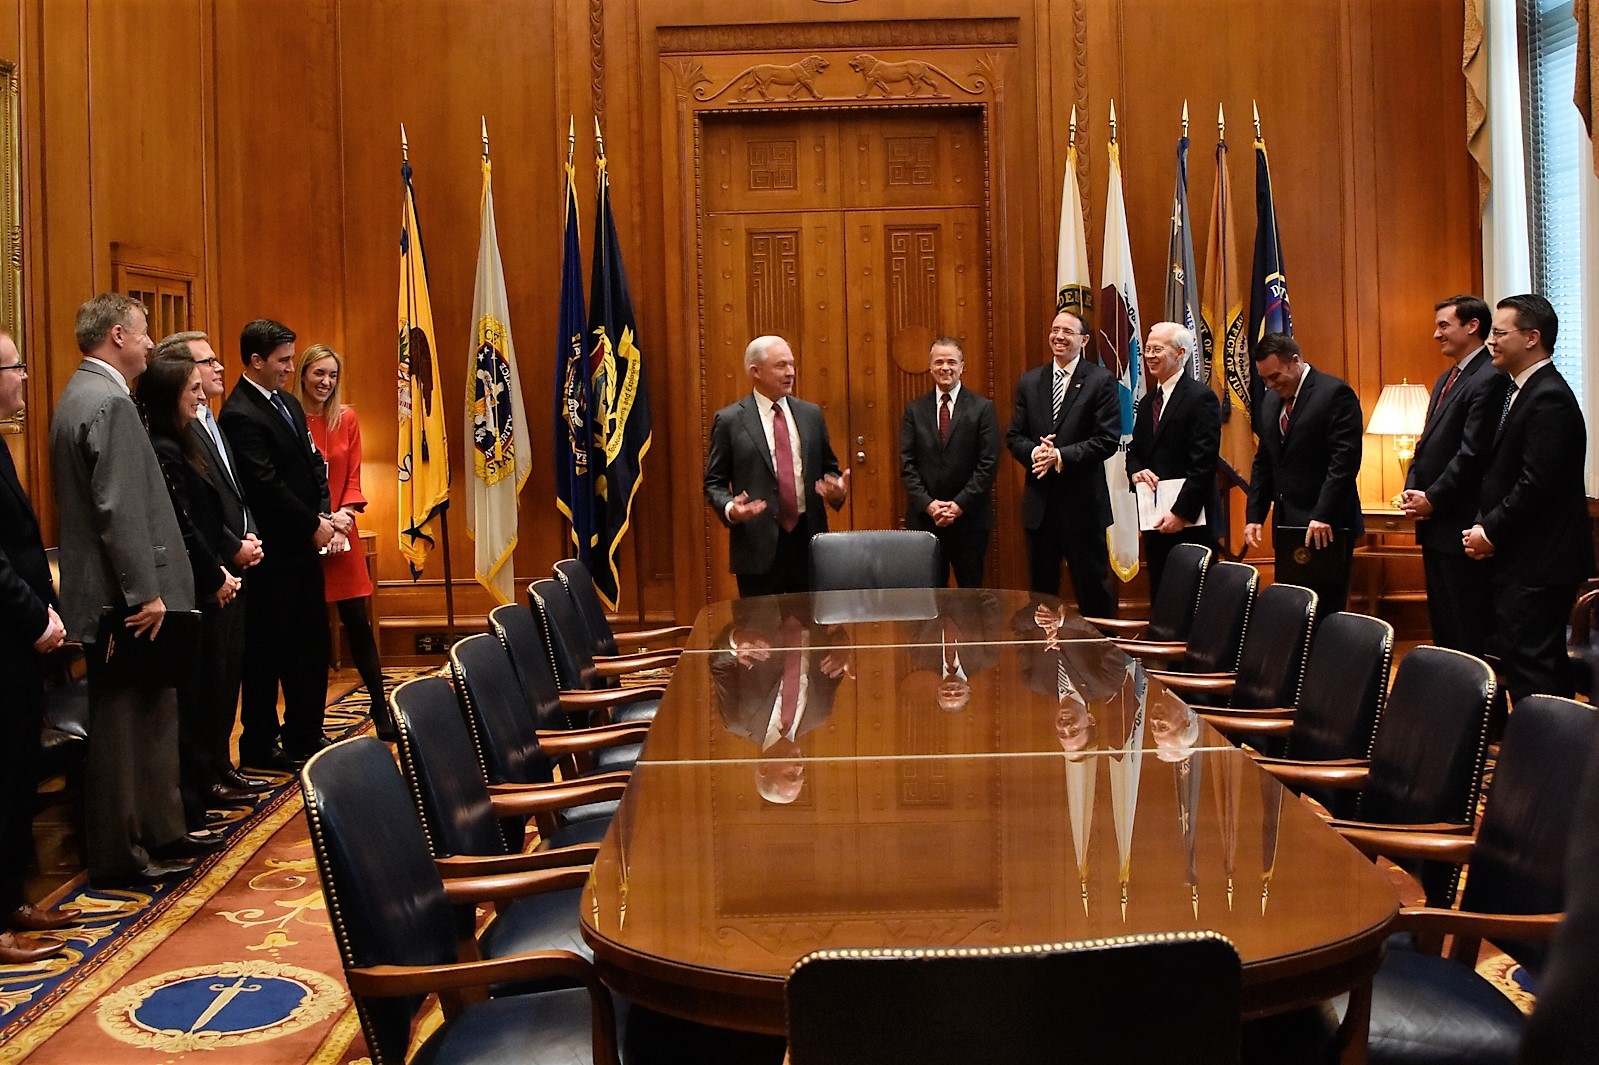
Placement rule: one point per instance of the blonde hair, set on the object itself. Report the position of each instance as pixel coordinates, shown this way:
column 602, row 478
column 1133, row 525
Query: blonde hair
column 333, row 410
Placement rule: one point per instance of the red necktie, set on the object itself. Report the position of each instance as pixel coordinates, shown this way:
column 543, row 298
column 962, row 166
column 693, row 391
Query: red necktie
column 1454, row 375
column 783, row 461
column 1160, row 401
column 943, row 419
column 788, row 708
column 1282, row 422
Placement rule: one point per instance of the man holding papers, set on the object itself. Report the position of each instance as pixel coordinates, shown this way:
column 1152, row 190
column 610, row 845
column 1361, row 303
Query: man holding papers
column 1171, row 460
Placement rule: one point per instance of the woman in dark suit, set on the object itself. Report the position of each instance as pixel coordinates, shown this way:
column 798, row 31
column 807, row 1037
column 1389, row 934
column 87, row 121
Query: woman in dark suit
column 171, row 393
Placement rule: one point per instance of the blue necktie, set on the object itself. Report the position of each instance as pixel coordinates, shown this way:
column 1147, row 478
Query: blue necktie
column 283, row 409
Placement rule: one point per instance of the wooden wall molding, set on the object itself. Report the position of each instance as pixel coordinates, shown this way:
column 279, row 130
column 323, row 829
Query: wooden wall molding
column 818, row 36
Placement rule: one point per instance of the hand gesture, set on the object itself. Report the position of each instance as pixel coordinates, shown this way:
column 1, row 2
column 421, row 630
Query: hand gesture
column 743, row 508
column 148, row 618
column 54, row 634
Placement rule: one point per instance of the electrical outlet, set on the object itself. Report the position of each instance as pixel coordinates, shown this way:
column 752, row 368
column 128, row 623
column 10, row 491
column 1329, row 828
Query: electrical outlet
column 430, row 643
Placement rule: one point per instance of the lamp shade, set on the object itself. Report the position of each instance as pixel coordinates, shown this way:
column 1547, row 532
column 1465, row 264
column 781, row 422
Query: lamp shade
column 1401, row 411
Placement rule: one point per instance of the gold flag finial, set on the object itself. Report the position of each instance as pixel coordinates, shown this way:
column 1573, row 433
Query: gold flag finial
column 1221, row 123
column 1113, row 121
column 483, row 119
column 1185, row 118
column 1255, row 107
column 571, row 138
column 1072, row 140
column 405, row 145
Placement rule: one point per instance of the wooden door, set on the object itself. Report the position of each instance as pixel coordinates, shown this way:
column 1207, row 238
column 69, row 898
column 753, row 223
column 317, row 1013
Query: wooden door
column 858, row 236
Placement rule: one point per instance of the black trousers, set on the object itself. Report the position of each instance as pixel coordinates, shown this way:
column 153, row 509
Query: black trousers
column 963, row 548
column 1086, row 554
column 285, row 646
column 1460, row 600
column 1532, row 637
column 364, row 650
column 791, row 567
column 1158, row 545
column 208, row 702
column 21, row 708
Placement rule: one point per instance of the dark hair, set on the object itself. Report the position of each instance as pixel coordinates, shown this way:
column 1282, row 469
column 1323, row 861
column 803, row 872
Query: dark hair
column 98, row 316
column 949, row 342
column 159, row 389
column 262, row 337
column 1082, row 326
column 1534, row 312
column 1281, row 345
column 1469, row 308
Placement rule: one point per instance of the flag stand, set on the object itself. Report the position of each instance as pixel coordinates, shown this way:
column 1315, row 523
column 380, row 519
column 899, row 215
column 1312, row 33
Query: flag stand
column 449, row 582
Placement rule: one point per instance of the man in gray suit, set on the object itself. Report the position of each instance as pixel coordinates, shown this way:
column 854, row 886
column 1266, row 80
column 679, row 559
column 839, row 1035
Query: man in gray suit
column 121, row 550
column 768, row 473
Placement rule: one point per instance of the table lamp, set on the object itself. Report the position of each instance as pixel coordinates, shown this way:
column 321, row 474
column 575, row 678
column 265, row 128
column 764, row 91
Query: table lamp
column 1401, row 413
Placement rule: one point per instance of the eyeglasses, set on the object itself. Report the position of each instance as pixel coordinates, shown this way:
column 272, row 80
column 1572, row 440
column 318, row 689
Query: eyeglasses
column 212, row 361
column 1499, row 334
column 20, row 367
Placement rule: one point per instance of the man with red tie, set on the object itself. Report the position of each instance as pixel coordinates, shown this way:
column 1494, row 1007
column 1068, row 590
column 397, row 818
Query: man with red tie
column 1310, row 427
column 770, row 475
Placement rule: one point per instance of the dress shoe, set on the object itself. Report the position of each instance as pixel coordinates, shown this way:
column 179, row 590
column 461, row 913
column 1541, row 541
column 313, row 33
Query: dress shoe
column 274, row 761
column 30, row 918
column 220, row 794
column 20, row 950
column 151, row 872
column 304, row 751
column 193, row 845
column 235, row 779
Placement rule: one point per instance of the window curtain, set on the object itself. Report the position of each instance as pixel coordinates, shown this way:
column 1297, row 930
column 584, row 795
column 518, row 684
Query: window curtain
column 1492, row 66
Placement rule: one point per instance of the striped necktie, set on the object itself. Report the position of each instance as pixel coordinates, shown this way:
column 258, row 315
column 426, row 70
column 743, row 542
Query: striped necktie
column 1060, row 391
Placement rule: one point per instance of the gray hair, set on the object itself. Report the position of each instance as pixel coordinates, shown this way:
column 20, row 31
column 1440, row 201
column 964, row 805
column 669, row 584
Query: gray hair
column 98, row 316
column 757, row 349
column 1181, row 335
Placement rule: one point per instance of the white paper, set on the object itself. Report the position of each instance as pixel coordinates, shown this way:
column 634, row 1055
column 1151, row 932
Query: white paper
column 1153, row 502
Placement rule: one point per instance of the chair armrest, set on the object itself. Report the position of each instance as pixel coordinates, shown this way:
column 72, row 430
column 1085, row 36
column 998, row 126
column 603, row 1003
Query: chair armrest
column 527, row 801
column 580, row 854
column 1130, row 628
column 391, row 980
column 1388, row 842
column 584, row 740
column 499, row 887
column 1424, row 919
column 622, row 665
column 1348, row 773
column 1147, row 649
column 1209, row 683
column 605, row 698
column 1245, row 723
column 668, row 632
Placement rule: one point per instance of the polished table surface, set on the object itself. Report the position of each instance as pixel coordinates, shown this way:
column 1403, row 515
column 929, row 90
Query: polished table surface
column 963, row 768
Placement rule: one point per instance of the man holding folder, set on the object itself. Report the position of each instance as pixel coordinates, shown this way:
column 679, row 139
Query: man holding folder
column 1176, row 439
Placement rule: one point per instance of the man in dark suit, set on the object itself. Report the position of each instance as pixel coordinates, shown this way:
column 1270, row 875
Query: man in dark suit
column 1176, row 434
column 948, row 452
column 1309, row 427
column 208, row 704
column 768, row 474
column 1446, row 473
column 29, row 629
column 121, row 551
column 1066, row 423
column 1532, row 523
column 285, row 485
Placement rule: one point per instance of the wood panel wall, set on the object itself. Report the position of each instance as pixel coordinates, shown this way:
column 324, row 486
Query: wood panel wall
column 261, row 137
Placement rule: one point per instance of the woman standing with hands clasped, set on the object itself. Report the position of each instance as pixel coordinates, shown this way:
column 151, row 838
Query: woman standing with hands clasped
column 337, row 434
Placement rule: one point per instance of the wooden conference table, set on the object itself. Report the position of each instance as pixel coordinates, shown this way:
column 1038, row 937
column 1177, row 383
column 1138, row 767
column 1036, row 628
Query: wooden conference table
column 954, row 774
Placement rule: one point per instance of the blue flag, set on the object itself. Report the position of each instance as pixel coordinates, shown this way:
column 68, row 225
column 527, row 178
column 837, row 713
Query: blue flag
column 574, row 432
column 1268, row 288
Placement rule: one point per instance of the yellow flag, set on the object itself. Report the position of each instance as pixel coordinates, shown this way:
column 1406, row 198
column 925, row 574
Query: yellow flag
column 424, row 458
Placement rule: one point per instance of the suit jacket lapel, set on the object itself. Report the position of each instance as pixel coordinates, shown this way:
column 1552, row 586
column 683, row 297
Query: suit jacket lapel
column 1168, row 407
column 1302, row 403
column 750, row 415
column 1074, row 385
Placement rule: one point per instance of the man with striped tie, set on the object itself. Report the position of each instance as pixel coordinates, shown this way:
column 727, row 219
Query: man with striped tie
column 1532, row 528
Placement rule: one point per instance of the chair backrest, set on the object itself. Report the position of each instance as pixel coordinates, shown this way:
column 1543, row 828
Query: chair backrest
column 1092, row 1002
column 1518, row 864
column 565, row 636
column 877, row 558
column 503, row 725
column 444, row 770
column 1429, row 750
column 579, row 584
column 1345, row 685
column 521, row 633
column 1220, row 618
column 1271, row 664
column 1171, row 615
column 384, row 896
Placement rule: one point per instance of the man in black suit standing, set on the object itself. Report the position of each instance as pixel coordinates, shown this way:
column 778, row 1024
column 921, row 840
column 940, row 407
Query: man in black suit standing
column 208, row 704
column 1067, row 422
column 1446, row 473
column 29, row 629
column 1309, row 426
column 948, row 452
column 285, row 485
column 1176, row 434
column 1532, row 514
column 768, row 474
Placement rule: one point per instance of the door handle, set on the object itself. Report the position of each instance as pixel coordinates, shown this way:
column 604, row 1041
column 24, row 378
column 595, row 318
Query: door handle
column 860, row 456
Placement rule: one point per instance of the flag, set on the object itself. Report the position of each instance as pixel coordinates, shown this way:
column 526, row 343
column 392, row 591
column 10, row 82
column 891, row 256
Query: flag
column 1182, row 280
column 574, row 436
column 621, row 400
column 1268, row 288
column 1074, row 291
column 1225, row 347
column 424, row 457
column 1119, row 352
column 501, row 455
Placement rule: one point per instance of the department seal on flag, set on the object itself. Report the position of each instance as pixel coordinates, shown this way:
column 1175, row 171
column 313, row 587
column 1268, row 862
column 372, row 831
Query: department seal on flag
column 493, row 425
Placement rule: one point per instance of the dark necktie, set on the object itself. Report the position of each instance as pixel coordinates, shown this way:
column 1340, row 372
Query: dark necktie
column 283, row 409
column 1282, row 422
column 1510, row 397
column 1060, row 391
column 943, row 419
column 783, row 462
column 788, row 707
column 1454, row 375
column 1160, row 401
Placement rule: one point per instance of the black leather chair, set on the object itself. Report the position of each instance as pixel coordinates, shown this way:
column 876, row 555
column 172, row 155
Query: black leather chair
column 1438, row 1011
column 1427, row 756
column 1220, row 619
column 876, row 558
column 604, row 642
column 523, row 634
column 1271, row 662
column 1171, row 615
column 566, row 641
column 1150, row 1000
column 394, row 920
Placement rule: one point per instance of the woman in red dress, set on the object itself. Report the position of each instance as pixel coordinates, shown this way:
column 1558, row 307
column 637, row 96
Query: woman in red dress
column 337, row 434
